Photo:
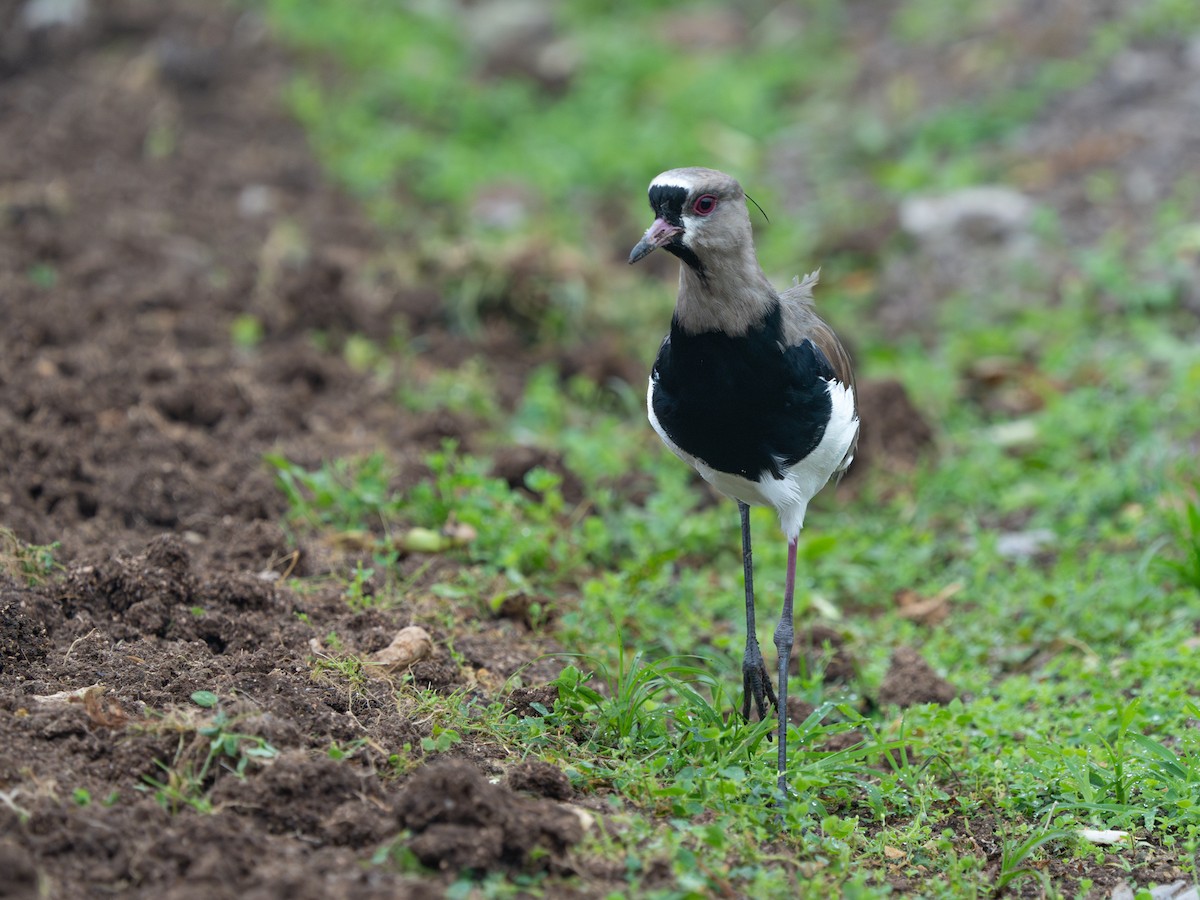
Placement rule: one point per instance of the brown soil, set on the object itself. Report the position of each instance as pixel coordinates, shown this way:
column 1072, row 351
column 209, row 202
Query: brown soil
column 133, row 430
column 153, row 190
column 910, row 680
column 462, row 822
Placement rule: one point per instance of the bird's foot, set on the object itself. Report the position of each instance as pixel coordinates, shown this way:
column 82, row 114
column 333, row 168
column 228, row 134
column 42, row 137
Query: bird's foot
column 756, row 684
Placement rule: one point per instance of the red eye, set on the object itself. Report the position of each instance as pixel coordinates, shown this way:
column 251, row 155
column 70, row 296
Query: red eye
column 704, row 205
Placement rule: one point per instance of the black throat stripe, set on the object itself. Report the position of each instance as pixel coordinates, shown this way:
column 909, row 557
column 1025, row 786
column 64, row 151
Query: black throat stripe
column 744, row 405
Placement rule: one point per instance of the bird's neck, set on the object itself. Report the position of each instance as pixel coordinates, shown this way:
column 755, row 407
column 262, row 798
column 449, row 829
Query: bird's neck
column 731, row 297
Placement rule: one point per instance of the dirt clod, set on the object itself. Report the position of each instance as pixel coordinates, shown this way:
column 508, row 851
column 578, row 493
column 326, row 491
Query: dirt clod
column 910, row 680
column 461, row 821
column 23, row 625
column 894, row 433
column 20, row 876
column 292, row 794
column 541, row 778
column 521, row 700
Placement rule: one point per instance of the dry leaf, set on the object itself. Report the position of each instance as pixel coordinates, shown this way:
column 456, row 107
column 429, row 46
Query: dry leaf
column 426, row 540
column 351, row 541
column 107, row 714
column 410, row 645
column 79, row 695
column 586, row 818
column 926, row 610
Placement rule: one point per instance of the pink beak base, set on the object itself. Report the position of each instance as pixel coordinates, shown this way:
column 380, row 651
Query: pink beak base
column 658, row 234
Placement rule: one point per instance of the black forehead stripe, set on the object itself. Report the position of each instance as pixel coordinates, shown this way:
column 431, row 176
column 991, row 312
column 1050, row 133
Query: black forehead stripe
column 667, row 201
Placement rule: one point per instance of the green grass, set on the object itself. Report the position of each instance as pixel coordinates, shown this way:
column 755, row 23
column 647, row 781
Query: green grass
column 187, row 780
column 33, row 563
column 1076, row 665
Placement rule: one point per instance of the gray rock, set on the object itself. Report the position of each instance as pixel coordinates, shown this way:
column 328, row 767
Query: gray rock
column 40, row 14
column 980, row 214
column 519, row 37
column 1024, row 544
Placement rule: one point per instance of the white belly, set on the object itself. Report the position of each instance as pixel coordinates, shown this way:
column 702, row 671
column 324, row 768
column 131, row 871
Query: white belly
column 790, row 495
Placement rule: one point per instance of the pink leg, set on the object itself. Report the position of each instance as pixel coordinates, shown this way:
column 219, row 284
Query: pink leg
column 785, row 634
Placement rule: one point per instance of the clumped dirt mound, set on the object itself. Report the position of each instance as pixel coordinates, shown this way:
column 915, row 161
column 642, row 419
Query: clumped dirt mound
column 541, row 778
column 460, row 821
column 25, row 621
column 910, row 680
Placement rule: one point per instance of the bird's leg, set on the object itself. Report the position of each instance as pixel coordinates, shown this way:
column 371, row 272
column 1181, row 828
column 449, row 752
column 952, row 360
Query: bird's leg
column 785, row 633
column 756, row 682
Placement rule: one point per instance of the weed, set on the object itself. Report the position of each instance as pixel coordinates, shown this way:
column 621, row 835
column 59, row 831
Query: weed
column 359, row 592
column 246, row 331
column 338, row 494
column 1186, row 527
column 1014, row 860
column 441, row 740
column 43, row 276
column 187, row 780
column 342, row 669
column 33, row 563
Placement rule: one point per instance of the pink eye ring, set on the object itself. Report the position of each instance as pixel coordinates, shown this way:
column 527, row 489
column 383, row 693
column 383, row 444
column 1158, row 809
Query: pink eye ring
column 704, row 205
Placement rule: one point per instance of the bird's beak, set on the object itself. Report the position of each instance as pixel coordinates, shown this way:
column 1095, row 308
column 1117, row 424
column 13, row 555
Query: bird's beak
column 658, row 234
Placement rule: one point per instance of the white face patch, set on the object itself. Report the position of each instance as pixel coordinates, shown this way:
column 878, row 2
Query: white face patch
column 679, row 179
column 693, row 182
column 674, row 178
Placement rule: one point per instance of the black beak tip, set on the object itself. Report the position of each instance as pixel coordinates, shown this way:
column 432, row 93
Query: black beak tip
column 643, row 249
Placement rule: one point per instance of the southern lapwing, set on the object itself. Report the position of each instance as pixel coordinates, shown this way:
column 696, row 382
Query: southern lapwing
column 750, row 387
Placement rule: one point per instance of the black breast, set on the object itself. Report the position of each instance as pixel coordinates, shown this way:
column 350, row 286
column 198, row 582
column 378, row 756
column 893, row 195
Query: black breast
column 742, row 404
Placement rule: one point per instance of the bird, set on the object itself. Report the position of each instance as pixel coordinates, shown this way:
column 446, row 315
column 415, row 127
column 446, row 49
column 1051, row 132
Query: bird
column 750, row 387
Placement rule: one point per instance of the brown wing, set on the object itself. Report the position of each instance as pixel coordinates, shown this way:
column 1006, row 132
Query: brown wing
column 800, row 322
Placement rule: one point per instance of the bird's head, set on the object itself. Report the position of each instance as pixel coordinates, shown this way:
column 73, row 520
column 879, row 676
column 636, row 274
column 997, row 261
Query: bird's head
column 700, row 217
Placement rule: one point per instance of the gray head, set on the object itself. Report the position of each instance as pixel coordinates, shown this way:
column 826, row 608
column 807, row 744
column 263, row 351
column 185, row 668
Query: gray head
column 701, row 217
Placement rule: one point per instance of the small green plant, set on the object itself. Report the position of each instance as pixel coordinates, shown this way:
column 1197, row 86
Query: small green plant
column 1186, row 527
column 338, row 752
column 32, row 562
column 246, row 331
column 359, row 592
column 441, row 740
column 340, row 494
column 183, row 782
column 205, row 699
column 43, row 275
column 1014, row 860
column 634, row 707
